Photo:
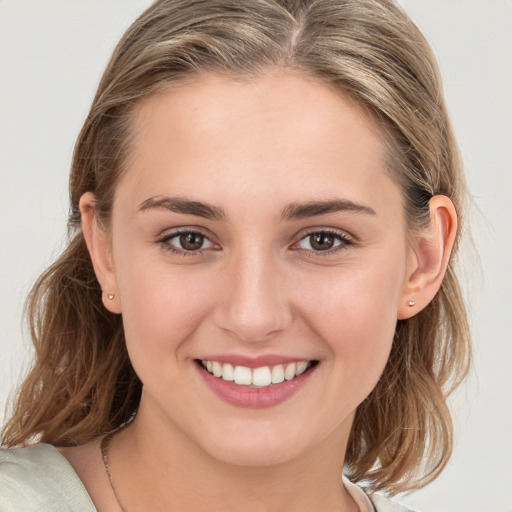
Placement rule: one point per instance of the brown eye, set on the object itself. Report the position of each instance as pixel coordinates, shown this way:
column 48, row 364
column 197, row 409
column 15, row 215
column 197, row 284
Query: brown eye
column 191, row 241
column 187, row 242
column 322, row 241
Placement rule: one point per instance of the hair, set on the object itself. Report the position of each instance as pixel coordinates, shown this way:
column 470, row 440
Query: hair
column 82, row 384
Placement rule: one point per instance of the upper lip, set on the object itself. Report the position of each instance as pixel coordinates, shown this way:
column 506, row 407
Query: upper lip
column 253, row 361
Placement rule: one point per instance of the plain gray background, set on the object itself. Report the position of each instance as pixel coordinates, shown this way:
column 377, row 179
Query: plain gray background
column 52, row 53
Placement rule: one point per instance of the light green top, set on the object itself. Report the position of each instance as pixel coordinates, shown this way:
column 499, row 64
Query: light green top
column 39, row 479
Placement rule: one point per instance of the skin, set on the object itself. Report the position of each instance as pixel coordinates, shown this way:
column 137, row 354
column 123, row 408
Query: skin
column 253, row 149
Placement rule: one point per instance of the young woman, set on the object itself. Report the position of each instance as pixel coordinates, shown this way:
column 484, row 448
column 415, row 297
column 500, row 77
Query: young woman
column 259, row 291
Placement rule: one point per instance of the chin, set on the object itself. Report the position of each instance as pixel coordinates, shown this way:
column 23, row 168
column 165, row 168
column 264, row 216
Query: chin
column 251, row 446
column 255, row 455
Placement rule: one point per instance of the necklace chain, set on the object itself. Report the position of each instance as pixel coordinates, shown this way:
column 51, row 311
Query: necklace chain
column 104, row 445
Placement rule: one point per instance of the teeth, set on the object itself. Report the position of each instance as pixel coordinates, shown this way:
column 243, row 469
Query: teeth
column 277, row 374
column 243, row 375
column 289, row 372
column 257, row 377
column 216, row 369
column 301, row 367
column 261, row 377
column 228, row 372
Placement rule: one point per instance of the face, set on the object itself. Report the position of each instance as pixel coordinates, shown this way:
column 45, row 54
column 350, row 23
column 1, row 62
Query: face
column 256, row 228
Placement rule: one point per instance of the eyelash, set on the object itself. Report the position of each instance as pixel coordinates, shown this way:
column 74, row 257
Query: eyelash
column 344, row 240
column 165, row 242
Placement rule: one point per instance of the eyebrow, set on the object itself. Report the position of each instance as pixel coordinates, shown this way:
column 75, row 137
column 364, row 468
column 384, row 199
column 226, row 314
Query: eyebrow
column 315, row 208
column 184, row 206
column 292, row 211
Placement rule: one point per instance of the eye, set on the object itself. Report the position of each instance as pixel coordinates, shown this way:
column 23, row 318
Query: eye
column 323, row 241
column 184, row 242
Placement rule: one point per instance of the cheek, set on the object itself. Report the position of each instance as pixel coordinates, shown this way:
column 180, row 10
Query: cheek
column 162, row 306
column 354, row 313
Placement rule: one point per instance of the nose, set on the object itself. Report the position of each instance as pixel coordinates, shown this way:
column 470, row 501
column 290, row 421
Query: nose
column 254, row 304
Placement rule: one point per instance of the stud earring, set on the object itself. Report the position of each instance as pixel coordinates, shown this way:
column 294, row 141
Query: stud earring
column 411, row 303
column 111, row 296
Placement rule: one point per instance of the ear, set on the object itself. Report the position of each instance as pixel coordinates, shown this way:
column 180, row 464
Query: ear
column 99, row 249
column 429, row 258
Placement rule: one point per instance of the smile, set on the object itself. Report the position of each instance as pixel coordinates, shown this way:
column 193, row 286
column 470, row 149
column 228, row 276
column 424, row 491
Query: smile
column 262, row 377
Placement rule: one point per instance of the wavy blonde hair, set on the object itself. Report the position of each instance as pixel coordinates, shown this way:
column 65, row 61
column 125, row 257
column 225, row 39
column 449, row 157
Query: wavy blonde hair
column 82, row 384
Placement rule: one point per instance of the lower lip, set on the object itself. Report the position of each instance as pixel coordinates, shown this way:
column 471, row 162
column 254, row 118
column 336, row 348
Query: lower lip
column 254, row 398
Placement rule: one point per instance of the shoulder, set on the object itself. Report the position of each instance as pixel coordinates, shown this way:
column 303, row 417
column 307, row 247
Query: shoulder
column 39, row 478
column 383, row 504
column 368, row 501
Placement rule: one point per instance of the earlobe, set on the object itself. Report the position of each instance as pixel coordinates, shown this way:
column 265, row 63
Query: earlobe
column 430, row 258
column 99, row 250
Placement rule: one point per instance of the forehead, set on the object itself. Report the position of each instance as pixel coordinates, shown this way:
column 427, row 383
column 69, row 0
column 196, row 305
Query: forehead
column 279, row 134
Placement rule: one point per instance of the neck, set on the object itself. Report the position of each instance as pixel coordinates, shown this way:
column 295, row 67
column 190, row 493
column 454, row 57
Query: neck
column 155, row 466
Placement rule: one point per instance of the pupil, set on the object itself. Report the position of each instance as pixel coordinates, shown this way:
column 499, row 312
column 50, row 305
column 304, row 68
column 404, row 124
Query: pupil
column 191, row 241
column 321, row 241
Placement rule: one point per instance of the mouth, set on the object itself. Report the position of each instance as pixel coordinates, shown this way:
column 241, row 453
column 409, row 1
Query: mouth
column 261, row 377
